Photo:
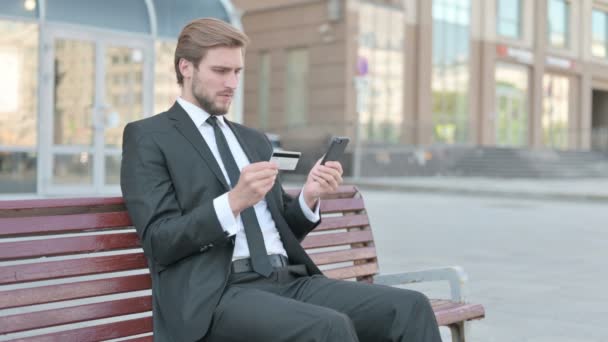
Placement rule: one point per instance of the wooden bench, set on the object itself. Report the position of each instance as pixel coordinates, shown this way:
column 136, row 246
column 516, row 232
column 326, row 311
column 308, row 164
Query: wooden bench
column 73, row 269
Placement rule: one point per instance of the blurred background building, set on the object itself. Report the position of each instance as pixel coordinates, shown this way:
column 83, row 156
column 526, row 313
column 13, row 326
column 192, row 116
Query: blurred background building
column 478, row 87
column 512, row 88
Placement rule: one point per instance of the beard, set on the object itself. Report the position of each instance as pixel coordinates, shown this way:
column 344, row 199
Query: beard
column 207, row 104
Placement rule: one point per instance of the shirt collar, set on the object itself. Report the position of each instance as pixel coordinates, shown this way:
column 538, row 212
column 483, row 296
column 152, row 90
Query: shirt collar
column 196, row 113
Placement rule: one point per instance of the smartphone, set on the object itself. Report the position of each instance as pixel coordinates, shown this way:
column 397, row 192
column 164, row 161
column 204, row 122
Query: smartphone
column 336, row 149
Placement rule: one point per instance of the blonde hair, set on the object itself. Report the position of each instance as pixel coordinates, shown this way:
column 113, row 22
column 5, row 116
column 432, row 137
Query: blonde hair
column 200, row 35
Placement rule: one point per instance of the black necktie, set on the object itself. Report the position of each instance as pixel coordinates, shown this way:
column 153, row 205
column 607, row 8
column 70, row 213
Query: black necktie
column 255, row 239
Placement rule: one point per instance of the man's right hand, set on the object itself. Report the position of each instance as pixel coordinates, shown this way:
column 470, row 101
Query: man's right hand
column 254, row 183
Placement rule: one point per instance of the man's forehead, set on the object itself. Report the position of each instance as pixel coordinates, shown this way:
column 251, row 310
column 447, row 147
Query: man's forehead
column 224, row 57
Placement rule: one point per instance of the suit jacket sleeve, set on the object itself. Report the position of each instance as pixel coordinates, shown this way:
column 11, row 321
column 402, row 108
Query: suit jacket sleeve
column 300, row 225
column 168, row 234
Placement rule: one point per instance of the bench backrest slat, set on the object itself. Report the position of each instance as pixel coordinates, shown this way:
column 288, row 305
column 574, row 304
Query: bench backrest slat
column 78, row 290
column 35, row 247
column 75, row 314
column 337, row 239
column 71, row 268
column 362, row 253
column 342, row 222
column 70, row 245
column 341, row 205
column 14, row 226
column 353, row 271
column 98, row 332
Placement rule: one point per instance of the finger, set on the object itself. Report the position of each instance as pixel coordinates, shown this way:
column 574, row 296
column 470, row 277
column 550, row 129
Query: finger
column 322, row 181
column 330, row 175
column 335, row 165
column 325, row 169
column 332, row 183
column 263, row 165
column 262, row 187
column 262, row 174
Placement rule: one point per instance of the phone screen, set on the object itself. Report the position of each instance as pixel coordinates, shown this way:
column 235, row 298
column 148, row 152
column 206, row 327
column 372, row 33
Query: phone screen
column 336, row 149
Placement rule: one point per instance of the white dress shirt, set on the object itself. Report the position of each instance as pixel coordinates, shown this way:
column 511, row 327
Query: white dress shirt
column 234, row 225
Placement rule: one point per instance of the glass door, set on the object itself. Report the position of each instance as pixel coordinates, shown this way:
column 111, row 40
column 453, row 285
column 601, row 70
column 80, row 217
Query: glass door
column 95, row 87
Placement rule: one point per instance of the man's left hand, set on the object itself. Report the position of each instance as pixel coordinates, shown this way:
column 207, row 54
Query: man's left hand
column 322, row 179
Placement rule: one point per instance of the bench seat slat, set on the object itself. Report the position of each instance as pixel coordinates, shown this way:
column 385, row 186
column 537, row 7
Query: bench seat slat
column 341, row 205
column 97, row 333
column 75, row 314
column 324, row 258
column 13, row 226
column 77, row 290
column 337, row 239
column 352, row 271
column 460, row 312
column 341, row 222
column 70, row 268
column 71, row 245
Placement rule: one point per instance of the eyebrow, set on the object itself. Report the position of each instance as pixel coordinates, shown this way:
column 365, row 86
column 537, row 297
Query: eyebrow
column 225, row 67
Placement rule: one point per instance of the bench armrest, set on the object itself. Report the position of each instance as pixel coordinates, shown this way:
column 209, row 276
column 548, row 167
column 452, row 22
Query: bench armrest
column 455, row 275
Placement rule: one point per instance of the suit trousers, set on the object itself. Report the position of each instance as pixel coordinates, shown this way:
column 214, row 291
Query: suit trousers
column 290, row 305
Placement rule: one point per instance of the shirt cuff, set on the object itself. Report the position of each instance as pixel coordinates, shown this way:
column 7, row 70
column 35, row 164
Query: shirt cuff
column 224, row 215
column 309, row 214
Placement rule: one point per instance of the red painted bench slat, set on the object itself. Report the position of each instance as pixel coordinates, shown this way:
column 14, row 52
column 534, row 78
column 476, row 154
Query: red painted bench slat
column 75, row 314
column 341, row 205
column 60, row 203
column 352, row 271
column 324, row 258
column 336, row 239
column 341, row 222
column 71, row 268
column 71, row 245
column 63, row 223
column 97, row 333
column 76, row 290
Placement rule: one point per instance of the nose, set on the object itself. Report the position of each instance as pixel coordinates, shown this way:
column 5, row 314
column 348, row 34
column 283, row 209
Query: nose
column 232, row 80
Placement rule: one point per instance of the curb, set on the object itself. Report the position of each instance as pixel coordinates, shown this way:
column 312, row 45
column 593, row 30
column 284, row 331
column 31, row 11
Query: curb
column 477, row 192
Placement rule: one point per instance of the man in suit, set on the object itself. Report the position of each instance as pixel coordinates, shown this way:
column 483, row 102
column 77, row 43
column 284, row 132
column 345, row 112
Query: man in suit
column 220, row 234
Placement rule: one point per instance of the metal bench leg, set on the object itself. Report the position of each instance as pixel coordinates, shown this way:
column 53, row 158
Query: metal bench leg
column 457, row 330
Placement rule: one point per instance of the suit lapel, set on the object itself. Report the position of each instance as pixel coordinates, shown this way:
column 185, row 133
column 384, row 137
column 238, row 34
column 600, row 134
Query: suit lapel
column 188, row 129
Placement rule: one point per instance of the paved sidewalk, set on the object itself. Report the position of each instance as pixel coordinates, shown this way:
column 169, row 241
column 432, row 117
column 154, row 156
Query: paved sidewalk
column 595, row 189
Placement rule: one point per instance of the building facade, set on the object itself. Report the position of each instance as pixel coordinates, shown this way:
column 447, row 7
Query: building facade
column 74, row 73
column 529, row 74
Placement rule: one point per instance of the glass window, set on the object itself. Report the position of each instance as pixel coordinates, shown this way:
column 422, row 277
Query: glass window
column 264, row 90
column 173, row 15
column 556, row 105
column 121, row 15
column 296, row 87
column 74, row 94
column 511, row 120
column 450, row 75
column 599, row 33
column 381, row 48
column 558, row 21
column 18, row 106
column 509, row 18
column 166, row 89
column 19, row 8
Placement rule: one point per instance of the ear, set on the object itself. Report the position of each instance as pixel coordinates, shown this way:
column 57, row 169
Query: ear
column 186, row 68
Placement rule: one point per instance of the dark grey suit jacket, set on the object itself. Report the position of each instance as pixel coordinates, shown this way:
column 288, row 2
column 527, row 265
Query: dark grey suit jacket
column 169, row 178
